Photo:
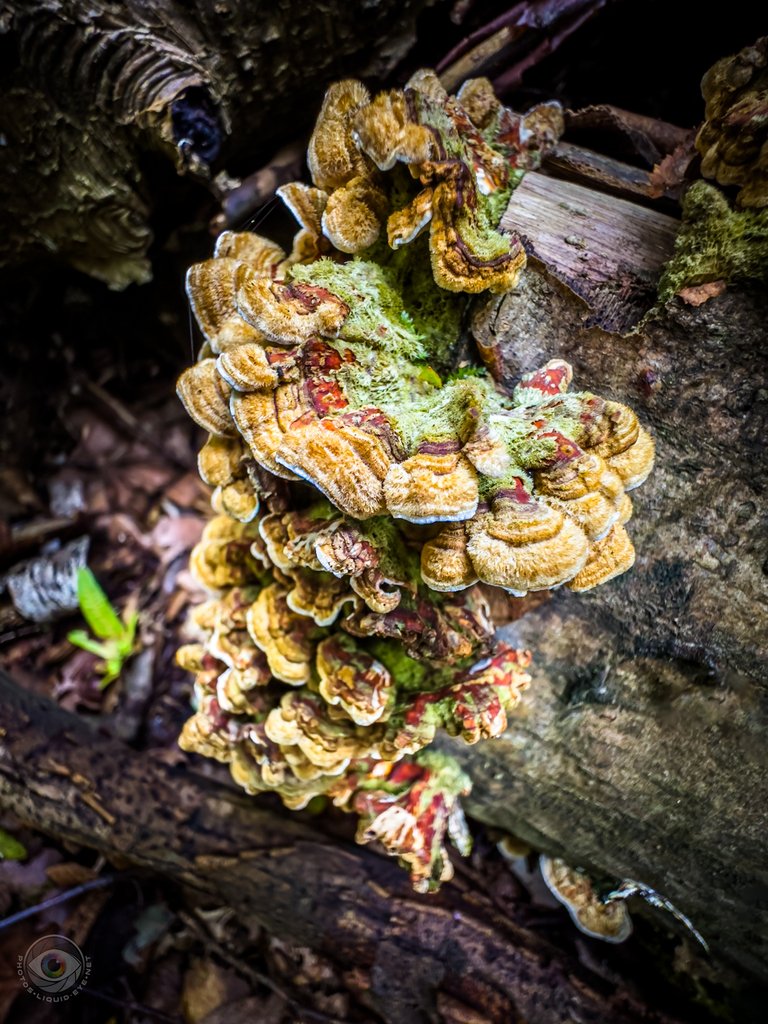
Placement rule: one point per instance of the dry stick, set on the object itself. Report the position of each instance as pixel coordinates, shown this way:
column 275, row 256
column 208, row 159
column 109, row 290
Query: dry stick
column 243, row 201
column 468, row 56
column 78, row 890
column 665, row 136
column 512, row 76
column 128, row 1004
column 253, row 976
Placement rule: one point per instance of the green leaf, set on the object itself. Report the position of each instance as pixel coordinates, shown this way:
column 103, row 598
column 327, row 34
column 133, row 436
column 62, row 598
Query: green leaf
column 111, row 671
column 79, row 638
column 117, row 636
column 11, row 848
column 95, row 606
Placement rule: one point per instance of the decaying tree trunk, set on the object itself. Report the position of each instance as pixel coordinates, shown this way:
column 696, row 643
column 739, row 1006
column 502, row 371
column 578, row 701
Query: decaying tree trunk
column 640, row 749
column 95, row 97
column 414, row 954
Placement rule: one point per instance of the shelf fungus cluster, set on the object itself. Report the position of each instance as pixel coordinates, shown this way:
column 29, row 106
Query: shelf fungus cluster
column 369, row 475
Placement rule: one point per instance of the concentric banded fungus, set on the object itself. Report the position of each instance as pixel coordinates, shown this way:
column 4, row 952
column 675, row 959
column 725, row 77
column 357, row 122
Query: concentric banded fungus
column 365, row 483
column 353, row 679
column 206, row 398
column 573, row 888
column 733, row 141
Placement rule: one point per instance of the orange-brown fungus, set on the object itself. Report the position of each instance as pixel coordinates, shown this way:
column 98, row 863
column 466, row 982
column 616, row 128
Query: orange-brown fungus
column 371, row 482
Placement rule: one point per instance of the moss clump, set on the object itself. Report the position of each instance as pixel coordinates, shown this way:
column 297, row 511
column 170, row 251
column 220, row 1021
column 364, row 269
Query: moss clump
column 716, row 243
column 394, row 304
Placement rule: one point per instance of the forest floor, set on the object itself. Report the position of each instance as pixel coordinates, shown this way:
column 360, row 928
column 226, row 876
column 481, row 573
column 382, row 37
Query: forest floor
column 115, row 485
column 98, row 464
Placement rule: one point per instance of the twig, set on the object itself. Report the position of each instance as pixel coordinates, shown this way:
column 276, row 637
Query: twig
column 254, row 977
column 79, row 890
column 487, row 44
column 128, row 421
column 513, row 75
column 128, row 1004
column 242, row 202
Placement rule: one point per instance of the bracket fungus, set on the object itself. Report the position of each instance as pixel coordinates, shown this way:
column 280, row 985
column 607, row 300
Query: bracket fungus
column 733, row 141
column 608, row 920
column 368, row 473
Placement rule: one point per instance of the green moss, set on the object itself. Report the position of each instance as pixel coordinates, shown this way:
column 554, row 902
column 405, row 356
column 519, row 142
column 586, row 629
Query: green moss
column 478, row 227
column 397, row 560
column 395, row 306
column 377, row 315
column 321, row 509
column 453, row 779
column 716, row 242
column 407, row 673
column 447, row 413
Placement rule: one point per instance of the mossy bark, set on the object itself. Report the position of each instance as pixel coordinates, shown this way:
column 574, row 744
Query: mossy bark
column 640, row 749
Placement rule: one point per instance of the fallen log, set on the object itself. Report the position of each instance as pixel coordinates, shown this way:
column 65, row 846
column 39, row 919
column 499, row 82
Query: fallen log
column 419, row 952
column 640, row 749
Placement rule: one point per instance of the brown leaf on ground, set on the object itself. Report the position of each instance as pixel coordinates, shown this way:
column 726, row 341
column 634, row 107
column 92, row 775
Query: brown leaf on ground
column 175, row 535
column 69, row 873
column 272, row 1009
column 26, row 880
column 78, row 685
column 209, row 987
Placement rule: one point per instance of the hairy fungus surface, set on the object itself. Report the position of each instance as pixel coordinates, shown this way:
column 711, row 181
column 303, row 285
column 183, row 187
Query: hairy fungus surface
column 368, row 473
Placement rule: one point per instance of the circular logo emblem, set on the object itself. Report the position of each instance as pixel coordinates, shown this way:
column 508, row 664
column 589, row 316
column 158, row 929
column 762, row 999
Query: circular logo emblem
column 53, row 964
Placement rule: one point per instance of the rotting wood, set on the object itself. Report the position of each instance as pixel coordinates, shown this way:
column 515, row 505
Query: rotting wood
column 101, row 104
column 346, row 902
column 640, row 747
column 607, row 250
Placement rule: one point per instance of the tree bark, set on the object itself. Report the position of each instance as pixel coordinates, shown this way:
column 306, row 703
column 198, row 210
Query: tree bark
column 421, row 954
column 92, row 97
column 640, row 748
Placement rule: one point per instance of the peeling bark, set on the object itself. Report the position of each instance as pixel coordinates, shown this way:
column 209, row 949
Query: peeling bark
column 91, row 96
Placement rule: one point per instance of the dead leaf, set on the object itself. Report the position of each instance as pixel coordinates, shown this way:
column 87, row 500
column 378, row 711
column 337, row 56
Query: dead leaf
column 69, row 874
column 207, row 987
column 78, row 685
column 45, row 588
column 269, row 1010
column 176, row 535
column 669, row 175
column 698, row 294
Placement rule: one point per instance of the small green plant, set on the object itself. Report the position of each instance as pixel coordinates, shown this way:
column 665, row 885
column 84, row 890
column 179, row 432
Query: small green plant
column 10, row 847
column 114, row 639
